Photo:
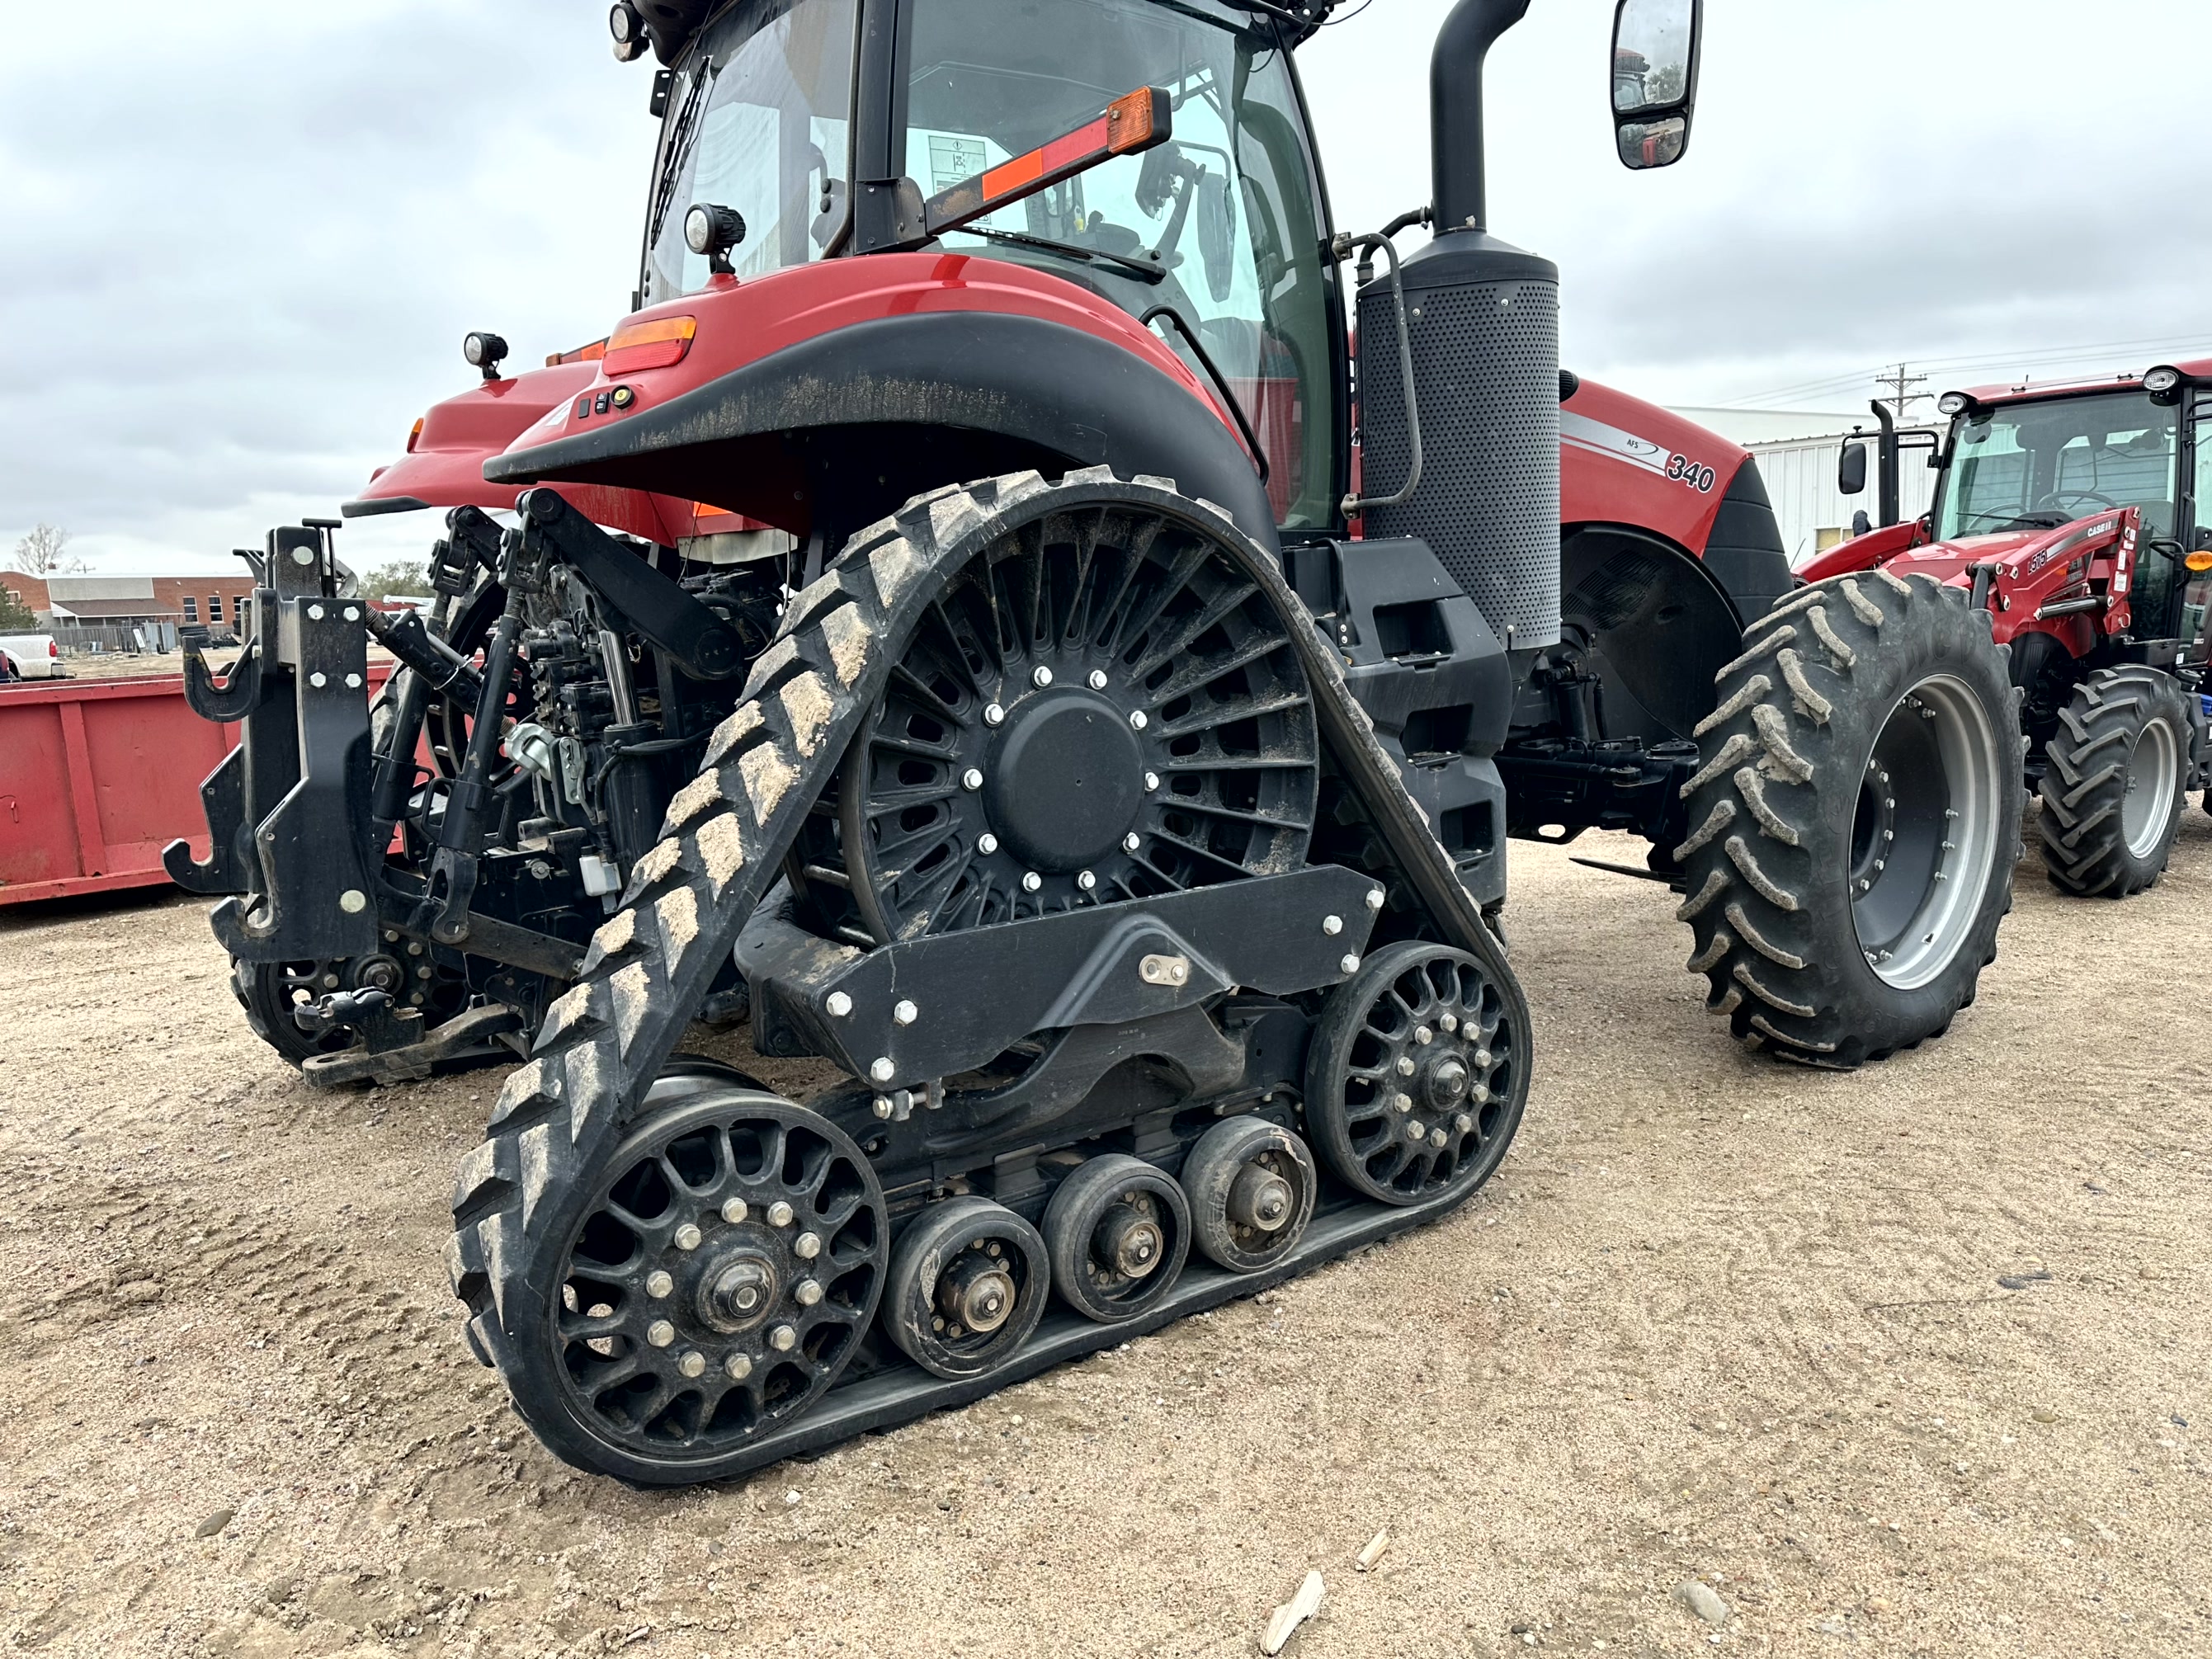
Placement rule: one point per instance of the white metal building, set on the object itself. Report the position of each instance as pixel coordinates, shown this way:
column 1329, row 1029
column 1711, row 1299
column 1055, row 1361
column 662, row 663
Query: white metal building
column 1797, row 451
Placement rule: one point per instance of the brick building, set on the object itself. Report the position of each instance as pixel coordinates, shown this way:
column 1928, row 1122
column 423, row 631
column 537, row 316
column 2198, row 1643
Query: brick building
column 129, row 600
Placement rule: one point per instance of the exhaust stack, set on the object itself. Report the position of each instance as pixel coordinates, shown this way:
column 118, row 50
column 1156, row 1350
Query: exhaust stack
column 1455, row 109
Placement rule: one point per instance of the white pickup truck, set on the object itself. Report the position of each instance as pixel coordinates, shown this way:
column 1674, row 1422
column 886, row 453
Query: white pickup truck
column 32, row 657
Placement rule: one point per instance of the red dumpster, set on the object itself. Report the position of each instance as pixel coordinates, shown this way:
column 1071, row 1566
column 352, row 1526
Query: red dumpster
column 97, row 776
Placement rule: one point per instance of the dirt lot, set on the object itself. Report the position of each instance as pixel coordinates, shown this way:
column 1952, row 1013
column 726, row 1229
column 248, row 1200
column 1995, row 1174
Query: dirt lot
column 1913, row 1361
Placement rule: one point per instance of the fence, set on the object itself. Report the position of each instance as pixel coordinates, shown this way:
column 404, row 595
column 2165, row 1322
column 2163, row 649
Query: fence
column 78, row 637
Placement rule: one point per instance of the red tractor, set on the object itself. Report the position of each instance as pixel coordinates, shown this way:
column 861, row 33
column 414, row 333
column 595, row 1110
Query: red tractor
column 2078, row 518
column 1020, row 719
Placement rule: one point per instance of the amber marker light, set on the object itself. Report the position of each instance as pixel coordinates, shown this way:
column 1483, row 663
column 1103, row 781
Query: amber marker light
column 1134, row 122
column 656, row 342
column 416, row 436
column 2199, row 562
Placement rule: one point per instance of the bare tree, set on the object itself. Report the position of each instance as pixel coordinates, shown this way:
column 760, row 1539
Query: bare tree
column 42, row 552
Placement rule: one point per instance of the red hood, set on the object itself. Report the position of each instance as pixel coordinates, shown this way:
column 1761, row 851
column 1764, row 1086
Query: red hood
column 2024, row 550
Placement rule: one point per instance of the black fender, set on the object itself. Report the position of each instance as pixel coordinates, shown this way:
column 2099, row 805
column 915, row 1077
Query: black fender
column 1659, row 623
column 840, row 429
column 1745, row 552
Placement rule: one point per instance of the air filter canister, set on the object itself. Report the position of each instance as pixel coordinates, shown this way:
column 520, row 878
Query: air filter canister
column 1485, row 323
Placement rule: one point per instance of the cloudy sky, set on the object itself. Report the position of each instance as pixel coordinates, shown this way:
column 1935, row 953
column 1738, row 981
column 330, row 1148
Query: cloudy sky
column 242, row 241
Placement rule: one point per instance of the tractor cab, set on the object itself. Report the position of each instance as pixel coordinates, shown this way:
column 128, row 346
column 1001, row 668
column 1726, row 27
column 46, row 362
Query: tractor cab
column 1214, row 236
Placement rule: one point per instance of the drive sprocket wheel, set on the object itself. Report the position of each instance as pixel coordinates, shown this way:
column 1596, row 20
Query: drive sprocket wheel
column 2115, row 778
column 1416, row 1081
column 708, row 1283
column 269, row 993
column 1857, row 820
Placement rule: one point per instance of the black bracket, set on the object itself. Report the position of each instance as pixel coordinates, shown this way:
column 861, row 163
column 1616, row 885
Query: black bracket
column 658, row 609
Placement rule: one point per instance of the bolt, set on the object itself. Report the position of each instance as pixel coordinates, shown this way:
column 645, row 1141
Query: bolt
column 1449, row 1021
column 972, row 779
column 353, row 901
column 1040, row 677
column 1416, row 1130
column 1880, row 863
column 316, row 611
column 1477, row 1092
column 806, row 1246
column 1950, row 812
column 806, row 1293
column 881, row 1106
column 1463, row 1123
column 1375, row 898
column 661, row 1333
column 1031, row 881
column 993, row 715
column 1865, row 887
column 353, row 681
column 904, row 1012
column 734, row 1211
column 1889, row 835
column 693, row 1363
column 687, row 1237
column 838, row 1005
column 1943, row 875
column 1950, row 847
column 352, row 614
column 1405, row 1065
column 1151, row 782
column 318, row 679
column 1332, row 925
column 779, row 1214
column 1085, row 881
column 1132, row 842
column 391, row 936
column 1403, row 1102
column 1885, row 778
column 329, row 982
column 1097, row 679
column 415, row 947
column 881, row 1070
column 421, row 973
column 1891, row 804
column 739, row 1367
column 1137, row 722
column 1437, row 1137
column 658, row 1283
column 986, row 842
column 783, row 1339
column 1424, row 1035
column 1348, row 964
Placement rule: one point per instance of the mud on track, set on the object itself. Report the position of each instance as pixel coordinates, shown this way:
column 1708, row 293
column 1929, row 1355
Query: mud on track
column 1714, row 1318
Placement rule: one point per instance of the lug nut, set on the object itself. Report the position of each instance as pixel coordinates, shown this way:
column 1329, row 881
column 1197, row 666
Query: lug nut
column 779, row 1214
column 687, row 1237
column 806, row 1246
column 1332, row 925
column 838, row 1005
column 1463, row 1123
column 783, row 1339
column 1349, row 964
column 661, row 1333
column 993, row 715
column 694, row 1364
column 1423, row 1035
column 971, row 779
column 1085, row 881
column 1097, row 679
column 1137, row 722
column 986, row 842
column 1405, row 1065
column 1437, row 1137
column 1482, row 1056
column 1031, row 881
column 1040, row 677
column 734, row 1211
column 1151, row 782
column 658, row 1283
column 806, row 1293
column 1132, row 842
column 1403, row 1102
column 1449, row 1021
column 737, row 1367
column 1416, row 1130
column 904, row 1012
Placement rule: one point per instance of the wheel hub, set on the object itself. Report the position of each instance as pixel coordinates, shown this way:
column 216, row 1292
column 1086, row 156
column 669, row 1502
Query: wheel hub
column 1130, row 1241
column 739, row 1289
column 976, row 1292
column 1065, row 780
column 1261, row 1198
column 1446, row 1082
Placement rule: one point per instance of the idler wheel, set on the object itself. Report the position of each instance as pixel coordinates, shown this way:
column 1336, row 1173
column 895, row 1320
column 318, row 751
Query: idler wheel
column 1250, row 1185
column 1411, row 1086
column 1118, row 1231
column 967, row 1287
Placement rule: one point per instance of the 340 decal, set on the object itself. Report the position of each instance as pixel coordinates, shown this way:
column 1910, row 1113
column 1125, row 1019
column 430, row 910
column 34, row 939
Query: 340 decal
column 1684, row 471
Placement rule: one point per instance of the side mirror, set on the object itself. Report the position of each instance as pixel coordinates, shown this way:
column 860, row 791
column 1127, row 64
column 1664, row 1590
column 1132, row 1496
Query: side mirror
column 1655, row 79
column 1217, row 233
column 1850, row 470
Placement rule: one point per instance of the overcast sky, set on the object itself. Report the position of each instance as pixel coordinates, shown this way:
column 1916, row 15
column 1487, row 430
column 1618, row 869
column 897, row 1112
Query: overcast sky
column 242, row 241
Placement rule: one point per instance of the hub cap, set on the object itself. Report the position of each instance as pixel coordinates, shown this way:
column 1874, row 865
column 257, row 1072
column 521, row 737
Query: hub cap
column 2153, row 769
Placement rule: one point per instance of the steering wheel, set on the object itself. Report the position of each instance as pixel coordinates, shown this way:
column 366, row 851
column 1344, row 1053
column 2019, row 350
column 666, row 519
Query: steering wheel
column 2057, row 498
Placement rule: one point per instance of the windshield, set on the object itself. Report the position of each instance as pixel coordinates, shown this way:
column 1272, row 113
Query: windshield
column 756, row 120
column 1220, row 223
column 2043, row 465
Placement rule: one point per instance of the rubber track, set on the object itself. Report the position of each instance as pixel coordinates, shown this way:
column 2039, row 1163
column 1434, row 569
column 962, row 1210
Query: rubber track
column 649, row 965
column 1768, row 846
column 2085, row 782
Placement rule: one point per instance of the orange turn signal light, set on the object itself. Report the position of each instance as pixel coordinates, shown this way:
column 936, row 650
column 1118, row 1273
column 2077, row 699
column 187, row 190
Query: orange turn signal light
column 2199, row 560
column 416, row 436
column 655, row 343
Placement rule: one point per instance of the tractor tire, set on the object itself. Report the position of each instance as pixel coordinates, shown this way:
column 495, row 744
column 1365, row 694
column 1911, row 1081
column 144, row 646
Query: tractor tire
column 1857, row 820
column 2116, row 781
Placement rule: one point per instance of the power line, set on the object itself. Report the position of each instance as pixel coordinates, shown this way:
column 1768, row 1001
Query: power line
column 2042, row 357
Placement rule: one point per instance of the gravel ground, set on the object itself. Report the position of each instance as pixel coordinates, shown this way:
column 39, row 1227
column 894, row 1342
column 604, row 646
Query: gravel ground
column 1911, row 1361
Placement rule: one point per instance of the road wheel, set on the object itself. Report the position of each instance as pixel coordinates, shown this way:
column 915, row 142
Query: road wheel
column 2115, row 781
column 1858, row 818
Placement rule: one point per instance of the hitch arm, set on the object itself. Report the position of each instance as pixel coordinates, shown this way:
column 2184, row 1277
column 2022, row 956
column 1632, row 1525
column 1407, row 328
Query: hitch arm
column 233, row 701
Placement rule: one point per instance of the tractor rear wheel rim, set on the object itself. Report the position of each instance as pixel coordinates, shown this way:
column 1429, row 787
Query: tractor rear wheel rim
column 2153, row 771
column 1924, row 834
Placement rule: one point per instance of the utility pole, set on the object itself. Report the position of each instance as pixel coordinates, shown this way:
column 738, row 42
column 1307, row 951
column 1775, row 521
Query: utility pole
column 1900, row 384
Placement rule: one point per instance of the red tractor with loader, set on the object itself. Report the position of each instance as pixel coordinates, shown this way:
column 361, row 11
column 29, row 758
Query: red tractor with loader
column 934, row 617
column 2077, row 516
